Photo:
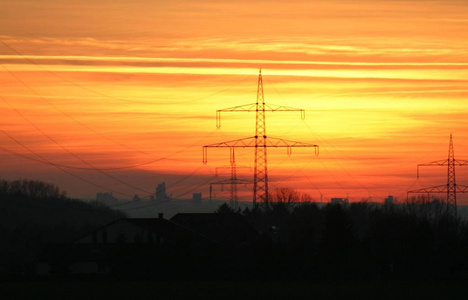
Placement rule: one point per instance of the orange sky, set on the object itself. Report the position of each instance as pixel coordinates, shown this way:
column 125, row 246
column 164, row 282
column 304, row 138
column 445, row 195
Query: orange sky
column 120, row 84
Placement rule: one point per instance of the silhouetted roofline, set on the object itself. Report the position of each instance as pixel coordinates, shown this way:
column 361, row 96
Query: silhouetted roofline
column 138, row 222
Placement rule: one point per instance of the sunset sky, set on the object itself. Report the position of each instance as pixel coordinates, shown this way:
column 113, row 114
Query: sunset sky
column 121, row 95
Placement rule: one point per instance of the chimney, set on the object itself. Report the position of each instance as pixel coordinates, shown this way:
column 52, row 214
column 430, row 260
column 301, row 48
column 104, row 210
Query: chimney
column 160, row 215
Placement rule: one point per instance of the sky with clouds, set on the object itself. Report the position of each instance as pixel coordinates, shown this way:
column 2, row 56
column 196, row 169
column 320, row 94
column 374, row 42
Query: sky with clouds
column 120, row 95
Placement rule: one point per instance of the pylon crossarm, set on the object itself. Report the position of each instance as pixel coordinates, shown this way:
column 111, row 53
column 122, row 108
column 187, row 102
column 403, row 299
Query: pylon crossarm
column 246, row 107
column 245, row 142
column 282, row 143
column 440, row 189
column 274, row 107
column 277, row 142
column 460, row 162
column 432, row 189
column 240, row 143
column 252, row 107
column 230, row 167
column 462, row 188
column 230, row 181
column 442, row 162
column 250, row 142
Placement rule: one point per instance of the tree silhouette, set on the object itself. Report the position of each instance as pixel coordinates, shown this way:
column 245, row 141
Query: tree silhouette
column 338, row 241
column 225, row 209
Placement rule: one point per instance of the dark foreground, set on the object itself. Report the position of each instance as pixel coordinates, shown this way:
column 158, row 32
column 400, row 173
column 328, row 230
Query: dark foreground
column 224, row 289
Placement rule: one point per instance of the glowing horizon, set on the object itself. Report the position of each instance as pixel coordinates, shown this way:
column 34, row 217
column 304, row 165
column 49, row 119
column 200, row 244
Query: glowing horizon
column 383, row 83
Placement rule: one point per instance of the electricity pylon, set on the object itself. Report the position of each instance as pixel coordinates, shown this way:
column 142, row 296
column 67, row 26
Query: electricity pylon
column 260, row 141
column 451, row 188
column 233, row 181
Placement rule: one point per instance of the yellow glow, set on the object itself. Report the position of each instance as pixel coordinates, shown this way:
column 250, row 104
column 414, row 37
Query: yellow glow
column 121, row 84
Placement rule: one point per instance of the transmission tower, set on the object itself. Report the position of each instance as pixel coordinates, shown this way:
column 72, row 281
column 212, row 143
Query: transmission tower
column 233, row 181
column 260, row 141
column 451, row 188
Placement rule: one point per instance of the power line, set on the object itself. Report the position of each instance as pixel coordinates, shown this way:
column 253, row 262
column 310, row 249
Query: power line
column 75, row 155
column 48, row 162
column 83, row 168
column 336, row 161
column 98, row 93
column 43, row 160
column 92, row 130
column 102, row 169
column 301, row 169
column 91, row 167
column 244, row 78
column 68, row 115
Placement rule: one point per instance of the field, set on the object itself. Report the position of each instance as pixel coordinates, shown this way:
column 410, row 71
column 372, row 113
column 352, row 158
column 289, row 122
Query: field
column 265, row 289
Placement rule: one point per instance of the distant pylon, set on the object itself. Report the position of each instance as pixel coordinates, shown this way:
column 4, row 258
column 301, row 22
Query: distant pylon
column 260, row 141
column 451, row 185
column 261, row 166
column 451, row 188
column 234, row 197
column 232, row 182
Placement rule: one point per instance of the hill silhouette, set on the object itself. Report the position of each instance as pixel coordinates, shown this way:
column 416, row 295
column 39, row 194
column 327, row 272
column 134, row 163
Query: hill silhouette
column 34, row 214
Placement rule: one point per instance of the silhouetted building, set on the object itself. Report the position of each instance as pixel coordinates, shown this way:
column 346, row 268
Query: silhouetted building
column 235, row 238
column 129, row 247
column 197, row 197
column 224, row 228
column 390, row 199
column 339, row 200
column 193, row 245
column 161, row 192
column 106, row 198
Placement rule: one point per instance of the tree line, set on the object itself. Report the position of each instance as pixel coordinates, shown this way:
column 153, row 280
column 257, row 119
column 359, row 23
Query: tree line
column 412, row 239
column 33, row 214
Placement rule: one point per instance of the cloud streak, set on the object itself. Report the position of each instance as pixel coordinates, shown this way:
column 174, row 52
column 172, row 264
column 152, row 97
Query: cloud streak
column 121, row 83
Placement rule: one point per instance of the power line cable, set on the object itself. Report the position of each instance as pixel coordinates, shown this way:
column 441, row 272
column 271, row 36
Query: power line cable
column 54, row 141
column 109, row 96
column 336, row 161
column 69, row 116
column 84, row 168
column 98, row 93
column 42, row 132
column 75, row 155
column 87, row 127
column 43, row 160
column 100, row 168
